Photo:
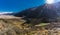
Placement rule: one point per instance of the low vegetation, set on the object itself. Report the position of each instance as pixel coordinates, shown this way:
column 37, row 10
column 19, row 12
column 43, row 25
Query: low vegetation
column 15, row 27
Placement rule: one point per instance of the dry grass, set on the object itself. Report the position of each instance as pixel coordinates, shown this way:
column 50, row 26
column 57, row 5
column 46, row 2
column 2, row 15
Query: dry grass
column 14, row 27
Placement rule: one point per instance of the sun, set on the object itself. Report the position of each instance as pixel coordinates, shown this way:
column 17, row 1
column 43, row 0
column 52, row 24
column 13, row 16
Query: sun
column 49, row 1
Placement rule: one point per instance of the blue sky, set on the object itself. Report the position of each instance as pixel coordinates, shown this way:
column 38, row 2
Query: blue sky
column 18, row 5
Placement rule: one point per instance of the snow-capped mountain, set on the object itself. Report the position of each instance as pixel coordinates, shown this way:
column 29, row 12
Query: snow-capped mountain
column 7, row 13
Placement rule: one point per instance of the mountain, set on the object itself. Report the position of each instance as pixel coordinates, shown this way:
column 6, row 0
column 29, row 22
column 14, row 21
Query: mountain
column 46, row 12
column 7, row 13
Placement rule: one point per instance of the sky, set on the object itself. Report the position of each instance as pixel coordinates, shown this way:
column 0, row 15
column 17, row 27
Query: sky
column 19, row 5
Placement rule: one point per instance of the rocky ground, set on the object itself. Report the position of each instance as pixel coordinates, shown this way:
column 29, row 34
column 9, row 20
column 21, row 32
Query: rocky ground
column 11, row 25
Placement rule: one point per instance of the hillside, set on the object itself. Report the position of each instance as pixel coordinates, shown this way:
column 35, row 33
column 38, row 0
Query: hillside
column 11, row 25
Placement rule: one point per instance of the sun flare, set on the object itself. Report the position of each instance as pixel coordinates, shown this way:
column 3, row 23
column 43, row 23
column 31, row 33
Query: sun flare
column 49, row 1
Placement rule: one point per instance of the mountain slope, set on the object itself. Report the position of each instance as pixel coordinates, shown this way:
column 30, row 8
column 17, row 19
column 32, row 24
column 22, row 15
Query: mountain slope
column 46, row 12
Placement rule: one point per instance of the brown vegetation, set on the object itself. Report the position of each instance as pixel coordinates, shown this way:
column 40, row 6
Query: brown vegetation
column 14, row 26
